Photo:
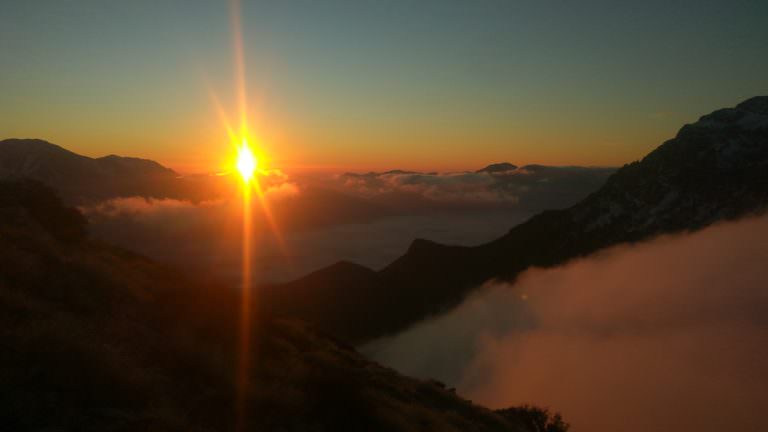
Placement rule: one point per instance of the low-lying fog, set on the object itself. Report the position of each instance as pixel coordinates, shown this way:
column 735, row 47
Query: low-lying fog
column 671, row 334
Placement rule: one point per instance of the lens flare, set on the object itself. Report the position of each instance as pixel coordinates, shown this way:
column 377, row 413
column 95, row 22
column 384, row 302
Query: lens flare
column 246, row 162
column 253, row 168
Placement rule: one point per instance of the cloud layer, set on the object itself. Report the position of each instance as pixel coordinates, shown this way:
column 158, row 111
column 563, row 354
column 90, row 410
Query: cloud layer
column 666, row 335
column 366, row 218
column 531, row 185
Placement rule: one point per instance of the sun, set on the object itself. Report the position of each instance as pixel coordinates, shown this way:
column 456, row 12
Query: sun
column 246, row 162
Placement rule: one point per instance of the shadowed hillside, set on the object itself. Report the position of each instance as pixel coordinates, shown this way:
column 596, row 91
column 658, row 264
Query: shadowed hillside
column 96, row 338
column 714, row 169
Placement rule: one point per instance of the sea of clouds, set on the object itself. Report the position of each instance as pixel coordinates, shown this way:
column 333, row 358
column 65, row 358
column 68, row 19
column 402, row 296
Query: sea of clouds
column 317, row 220
column 670, row 334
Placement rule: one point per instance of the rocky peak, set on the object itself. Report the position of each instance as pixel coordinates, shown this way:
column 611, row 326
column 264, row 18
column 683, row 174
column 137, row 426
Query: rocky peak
column 751, row 114
column 498, row 168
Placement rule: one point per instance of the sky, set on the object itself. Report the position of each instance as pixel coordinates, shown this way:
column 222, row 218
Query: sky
column 374, row 85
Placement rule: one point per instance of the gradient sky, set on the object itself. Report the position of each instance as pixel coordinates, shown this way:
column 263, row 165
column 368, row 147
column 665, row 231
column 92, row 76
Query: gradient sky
column 377, row 84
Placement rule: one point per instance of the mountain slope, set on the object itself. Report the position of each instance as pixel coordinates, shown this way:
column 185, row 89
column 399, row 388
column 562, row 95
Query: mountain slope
column 82, row 179
column 714, row 169
column 498, row 167
column 96, row 338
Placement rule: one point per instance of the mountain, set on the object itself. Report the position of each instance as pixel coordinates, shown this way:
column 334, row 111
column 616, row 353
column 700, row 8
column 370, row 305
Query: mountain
column 80, row 179
column 498, row 167
column 96, row 338
column 714, row 169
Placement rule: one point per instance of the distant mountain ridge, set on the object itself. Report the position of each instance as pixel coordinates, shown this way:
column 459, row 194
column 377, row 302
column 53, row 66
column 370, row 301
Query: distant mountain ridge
column 81, row 179
column 714, row 169
column 498, row 167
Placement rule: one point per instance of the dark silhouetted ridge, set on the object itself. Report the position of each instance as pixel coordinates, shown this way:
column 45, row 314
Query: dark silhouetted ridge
column 714, row 169
column 498, row 167
column 756, row 105
column 80, row 179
